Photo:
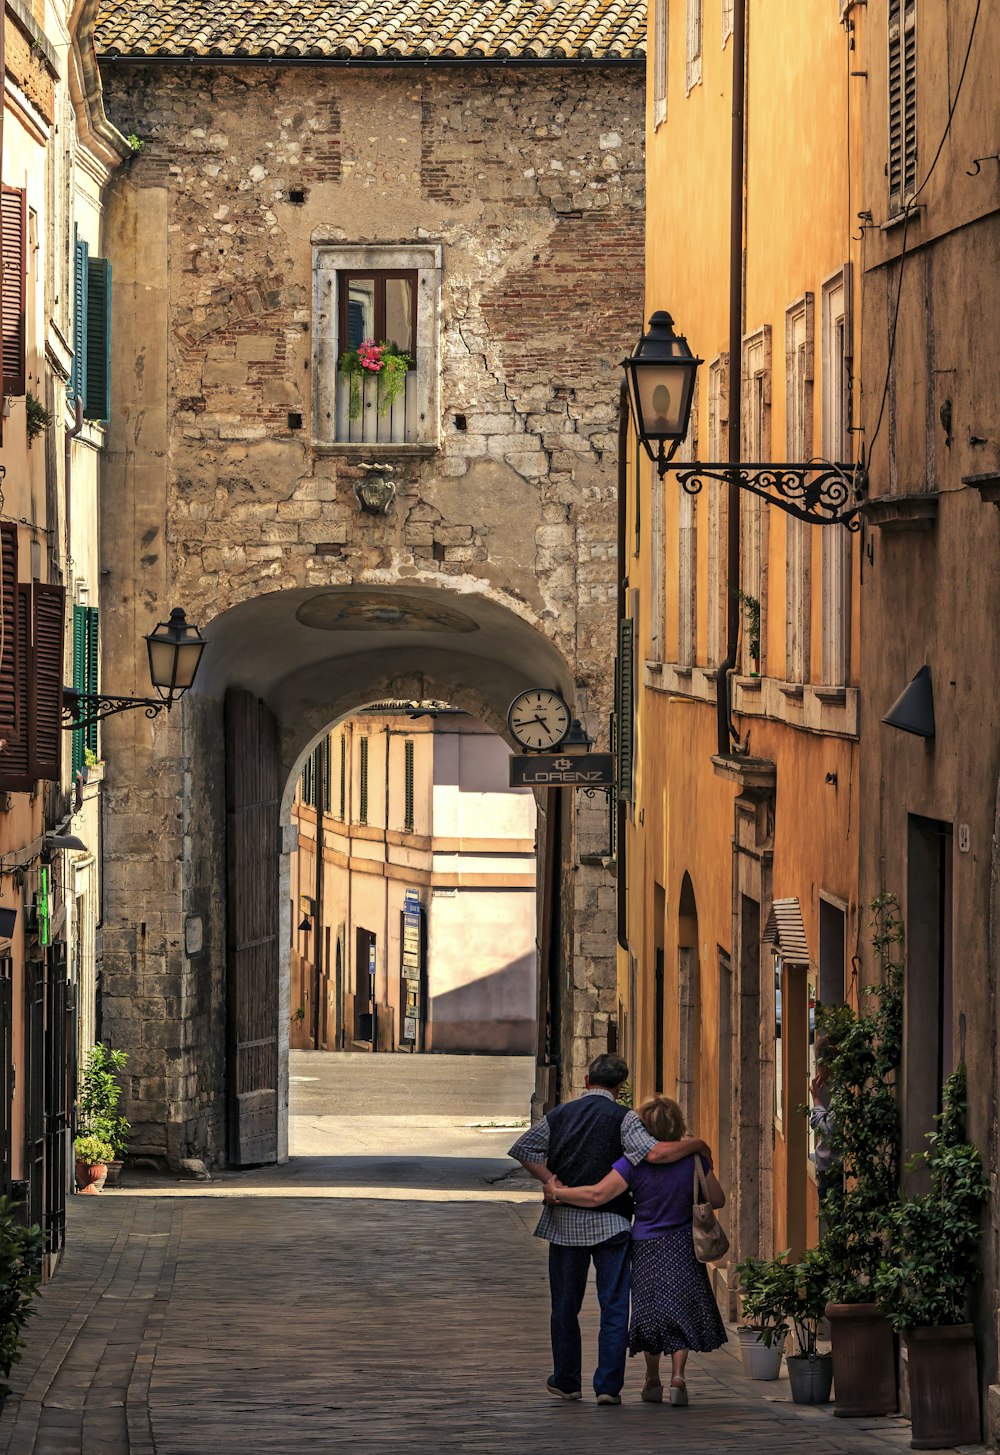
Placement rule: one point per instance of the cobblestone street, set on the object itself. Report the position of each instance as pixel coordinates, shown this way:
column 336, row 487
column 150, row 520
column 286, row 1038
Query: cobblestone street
column 370, row 1303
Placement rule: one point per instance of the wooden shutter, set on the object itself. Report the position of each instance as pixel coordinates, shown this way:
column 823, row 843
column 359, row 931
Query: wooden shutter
column 252, row 855
column 79, row 681
column 902, row 102
column 325, row 754
column 48, row 606
column 363, row 805
column 625, row 705
column 343, row 776
column 11, row 701
column 408, row 819
column 14, row 227
column 93, row 675
column 97, row 404
column 81, row 272
column 15, row 759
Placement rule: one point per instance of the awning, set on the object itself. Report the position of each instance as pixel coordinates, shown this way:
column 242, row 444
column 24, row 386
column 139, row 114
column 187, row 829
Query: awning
column 786, row 932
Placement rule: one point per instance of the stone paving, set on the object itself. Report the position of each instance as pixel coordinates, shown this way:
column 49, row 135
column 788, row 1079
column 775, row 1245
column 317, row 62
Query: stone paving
column 308, row 1309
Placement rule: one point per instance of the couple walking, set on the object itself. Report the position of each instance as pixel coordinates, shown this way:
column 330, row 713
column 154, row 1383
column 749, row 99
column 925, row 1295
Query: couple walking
column 598, row 1162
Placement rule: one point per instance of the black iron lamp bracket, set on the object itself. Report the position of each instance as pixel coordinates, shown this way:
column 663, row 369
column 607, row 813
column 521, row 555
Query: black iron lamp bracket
column 83, row 709
column 818, row 492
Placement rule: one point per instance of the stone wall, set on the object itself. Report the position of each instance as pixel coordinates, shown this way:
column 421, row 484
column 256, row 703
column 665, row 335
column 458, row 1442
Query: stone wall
column 531, row 183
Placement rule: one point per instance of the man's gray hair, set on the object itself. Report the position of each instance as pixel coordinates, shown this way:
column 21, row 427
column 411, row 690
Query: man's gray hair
column 608, row 1071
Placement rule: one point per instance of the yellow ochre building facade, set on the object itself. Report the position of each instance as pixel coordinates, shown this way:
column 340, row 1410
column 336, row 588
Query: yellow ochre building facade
column 738, row 900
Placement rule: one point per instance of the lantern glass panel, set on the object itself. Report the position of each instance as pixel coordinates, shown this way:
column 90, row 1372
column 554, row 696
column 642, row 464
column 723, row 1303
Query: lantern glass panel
column 664, row 393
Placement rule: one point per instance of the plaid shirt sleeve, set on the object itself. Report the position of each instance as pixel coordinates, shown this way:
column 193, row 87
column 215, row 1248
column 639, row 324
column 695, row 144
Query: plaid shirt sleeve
column 636, row 1141
column 534, row 1145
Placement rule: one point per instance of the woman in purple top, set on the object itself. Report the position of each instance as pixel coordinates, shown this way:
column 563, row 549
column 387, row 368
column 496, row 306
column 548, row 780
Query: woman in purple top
column 673, row 1310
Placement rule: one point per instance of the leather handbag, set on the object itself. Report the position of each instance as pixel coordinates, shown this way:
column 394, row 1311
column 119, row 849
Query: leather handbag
column 710, row 1242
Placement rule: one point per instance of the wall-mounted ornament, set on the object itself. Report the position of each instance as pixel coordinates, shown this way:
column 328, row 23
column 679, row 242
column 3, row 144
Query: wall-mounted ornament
column 376, row 491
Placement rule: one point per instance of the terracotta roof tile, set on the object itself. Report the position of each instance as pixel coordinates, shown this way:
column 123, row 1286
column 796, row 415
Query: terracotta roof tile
column 376, row 30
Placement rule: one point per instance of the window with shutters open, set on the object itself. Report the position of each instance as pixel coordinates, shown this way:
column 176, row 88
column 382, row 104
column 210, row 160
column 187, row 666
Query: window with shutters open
column 90, row 376
column 13, row 259
column 31, row 676
column 902, row 102
column 85, row 678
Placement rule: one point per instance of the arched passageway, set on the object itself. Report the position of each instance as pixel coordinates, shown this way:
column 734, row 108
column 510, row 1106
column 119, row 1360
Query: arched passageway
column 280, row 669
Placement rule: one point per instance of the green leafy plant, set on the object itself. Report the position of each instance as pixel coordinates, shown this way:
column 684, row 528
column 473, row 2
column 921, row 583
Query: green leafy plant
column 751, row 611
column 383, row 361
column 100, row 1093
column 778, row 1296
column 38, row 417
column 20, row 1267
column 135, row 142
column 861, row 1053
column 90, row 758
column 933, row 1257
column 625, row 1094
column 766, row 1290
column 92, row 1149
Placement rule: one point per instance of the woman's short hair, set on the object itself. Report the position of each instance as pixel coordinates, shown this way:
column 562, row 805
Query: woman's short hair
column 663, row 1118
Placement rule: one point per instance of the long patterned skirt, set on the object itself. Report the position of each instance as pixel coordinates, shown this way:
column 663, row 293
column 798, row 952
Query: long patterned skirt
column 672, row 1303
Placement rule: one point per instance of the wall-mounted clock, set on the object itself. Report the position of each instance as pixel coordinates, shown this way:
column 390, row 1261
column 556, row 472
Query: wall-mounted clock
column 539, row 719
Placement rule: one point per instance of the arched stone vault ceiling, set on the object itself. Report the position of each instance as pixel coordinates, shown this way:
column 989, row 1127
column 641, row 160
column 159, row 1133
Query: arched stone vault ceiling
column 317, row 654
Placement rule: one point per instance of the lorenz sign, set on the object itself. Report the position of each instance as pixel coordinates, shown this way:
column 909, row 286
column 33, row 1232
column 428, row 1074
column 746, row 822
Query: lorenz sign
column 562, row 770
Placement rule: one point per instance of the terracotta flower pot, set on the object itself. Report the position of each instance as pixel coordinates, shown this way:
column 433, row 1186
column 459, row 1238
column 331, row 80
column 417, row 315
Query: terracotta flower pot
column 944, row 1386
column 864, row 1361
column 90, row 1176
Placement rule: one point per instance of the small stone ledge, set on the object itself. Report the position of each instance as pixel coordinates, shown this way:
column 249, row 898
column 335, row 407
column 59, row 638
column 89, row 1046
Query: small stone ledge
column 988, row 486
column 751, row 775
column 898, row 513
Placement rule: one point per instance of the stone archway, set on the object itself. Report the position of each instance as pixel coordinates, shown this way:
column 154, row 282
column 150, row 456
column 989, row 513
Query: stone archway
column 279, row 670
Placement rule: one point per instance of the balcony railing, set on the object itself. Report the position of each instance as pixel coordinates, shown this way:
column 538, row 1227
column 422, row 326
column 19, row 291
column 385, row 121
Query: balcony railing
column 398, row 425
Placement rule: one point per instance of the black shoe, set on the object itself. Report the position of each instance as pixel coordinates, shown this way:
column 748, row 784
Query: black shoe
column 566, row 1394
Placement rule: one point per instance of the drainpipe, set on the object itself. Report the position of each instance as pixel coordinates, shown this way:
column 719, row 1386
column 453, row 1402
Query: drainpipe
column 69, row 436
column 737, row 183
column 621, row 897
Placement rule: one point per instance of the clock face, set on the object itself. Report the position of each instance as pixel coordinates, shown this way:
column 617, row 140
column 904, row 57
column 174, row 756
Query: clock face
column 539, row 719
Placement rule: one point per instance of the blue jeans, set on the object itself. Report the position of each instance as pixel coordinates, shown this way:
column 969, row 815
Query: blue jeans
column 568, row 1269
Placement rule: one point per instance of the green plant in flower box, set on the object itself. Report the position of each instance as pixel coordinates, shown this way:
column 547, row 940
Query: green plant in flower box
column 381, row 361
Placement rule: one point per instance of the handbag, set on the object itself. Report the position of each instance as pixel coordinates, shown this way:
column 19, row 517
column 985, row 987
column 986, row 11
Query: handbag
column 710, row 1242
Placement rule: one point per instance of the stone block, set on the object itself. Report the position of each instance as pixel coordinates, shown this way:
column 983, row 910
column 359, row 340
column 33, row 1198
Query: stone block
column 256, row 347
column 224, row 375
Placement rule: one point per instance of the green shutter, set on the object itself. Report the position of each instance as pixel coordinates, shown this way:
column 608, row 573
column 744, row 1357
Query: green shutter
column 97, row 401
column 79, row 679
column 326, row 774
column 363, row 805
column 78, row 373
column 625, row 706
column 343, row 776
column 408, row 813
column 92, row 686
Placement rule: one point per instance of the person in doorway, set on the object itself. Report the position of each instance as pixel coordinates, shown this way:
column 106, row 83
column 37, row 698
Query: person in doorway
column 576, row 1142
column 673, row 1310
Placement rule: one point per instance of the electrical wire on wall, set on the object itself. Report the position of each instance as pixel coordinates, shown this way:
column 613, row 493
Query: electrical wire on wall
column 907, row 213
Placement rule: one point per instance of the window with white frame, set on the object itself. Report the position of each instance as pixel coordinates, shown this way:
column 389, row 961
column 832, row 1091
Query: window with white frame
column 366, row 296
column 727, row 20
column 902, row 167
column 837, row 350
column 694, row 43
column 661, row 40
column 718, row 509
column 687, row 553
column 754, row 511
column 799, row 371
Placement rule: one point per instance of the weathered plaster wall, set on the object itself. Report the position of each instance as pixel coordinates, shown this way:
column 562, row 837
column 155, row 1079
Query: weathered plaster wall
column 531, row 183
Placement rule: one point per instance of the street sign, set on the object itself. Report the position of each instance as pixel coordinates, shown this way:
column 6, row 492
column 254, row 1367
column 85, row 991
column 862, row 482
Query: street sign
column 562, row 770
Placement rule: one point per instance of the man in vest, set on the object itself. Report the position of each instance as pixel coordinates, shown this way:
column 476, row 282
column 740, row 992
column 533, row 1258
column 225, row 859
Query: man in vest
column 579, row 1142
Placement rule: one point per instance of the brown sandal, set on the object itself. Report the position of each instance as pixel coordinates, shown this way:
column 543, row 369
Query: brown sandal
column 652, row 1392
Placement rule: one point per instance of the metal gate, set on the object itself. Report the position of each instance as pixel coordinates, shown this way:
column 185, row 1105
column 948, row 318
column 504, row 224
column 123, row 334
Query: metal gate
column 252, row 860
column 6, row 1073
column 34, row 1111
column 51, row 1059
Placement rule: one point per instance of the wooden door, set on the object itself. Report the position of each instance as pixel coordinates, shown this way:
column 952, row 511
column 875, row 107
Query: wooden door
column 252, row 856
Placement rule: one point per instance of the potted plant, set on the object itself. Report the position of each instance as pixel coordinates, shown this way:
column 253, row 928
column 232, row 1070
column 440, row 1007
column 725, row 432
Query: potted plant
column 765, row 1287
column 20, row 1266
column 751, row 611
column 810, row 1373
column 924, row 1281
column 382, row 361
column 860, row 1053
column 97, row 1105
column 92, row 1158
